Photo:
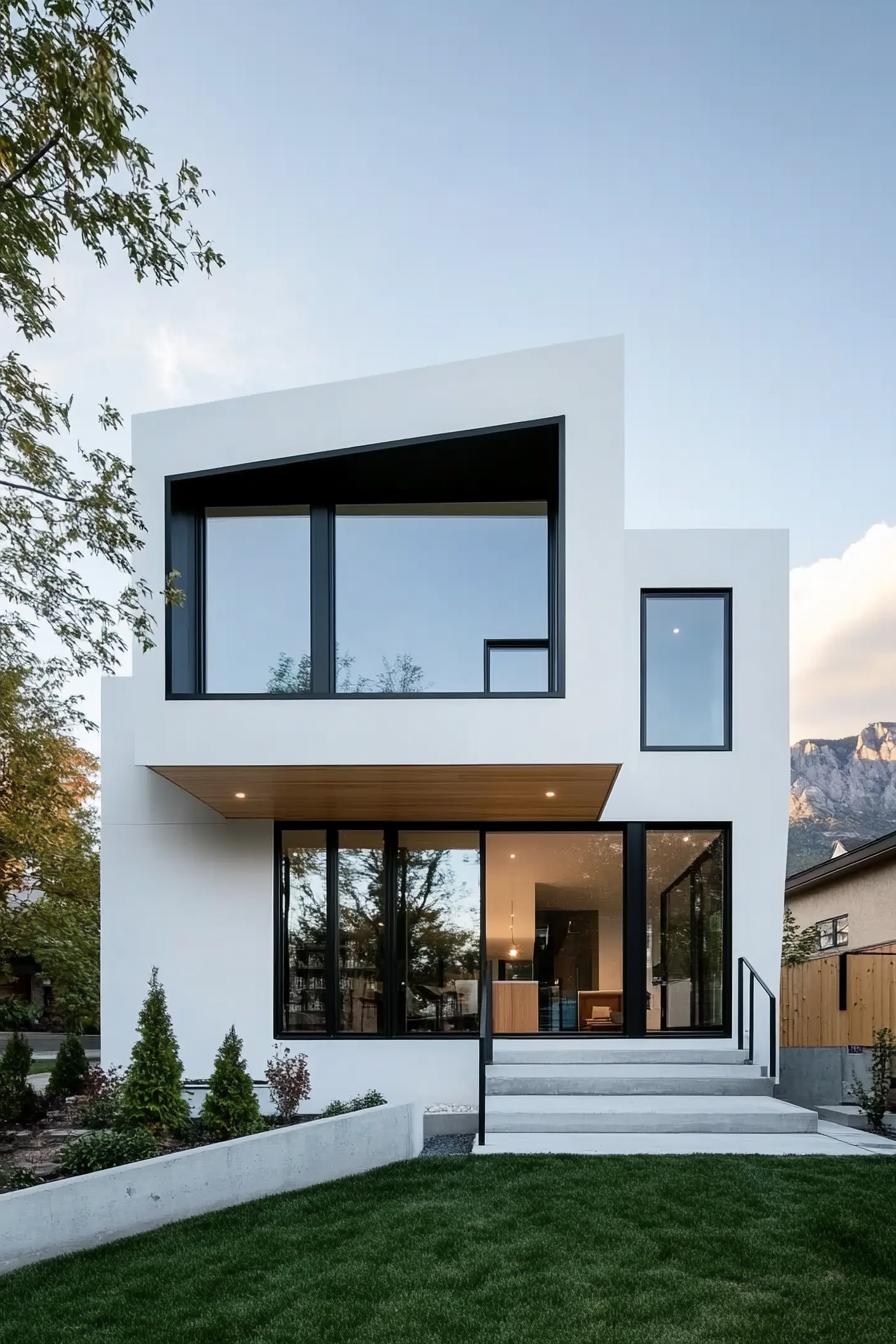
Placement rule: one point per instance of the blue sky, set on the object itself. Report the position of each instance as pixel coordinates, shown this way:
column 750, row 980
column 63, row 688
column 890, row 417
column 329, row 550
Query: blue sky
column 402, row 182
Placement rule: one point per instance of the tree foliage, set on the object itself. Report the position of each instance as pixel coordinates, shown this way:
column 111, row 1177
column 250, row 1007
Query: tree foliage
column 49, row 862
column 230, row 1109
column 797, row 945
column 152, row 1096
column 72, row 166
column 69, row 1073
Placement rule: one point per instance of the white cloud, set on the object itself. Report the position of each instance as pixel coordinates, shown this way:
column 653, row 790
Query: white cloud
column 843, row 638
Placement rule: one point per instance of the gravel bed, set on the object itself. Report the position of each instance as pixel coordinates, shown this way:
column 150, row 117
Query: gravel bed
column 448, row 1145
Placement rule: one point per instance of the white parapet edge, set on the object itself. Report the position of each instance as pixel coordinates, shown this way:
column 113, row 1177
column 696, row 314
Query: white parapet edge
column 78, row 1212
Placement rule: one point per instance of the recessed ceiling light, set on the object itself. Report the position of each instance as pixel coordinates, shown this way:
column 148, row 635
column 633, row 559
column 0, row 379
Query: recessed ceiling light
column 513, row 856
column 675, row 630
column 549, row 793
column 239, row 795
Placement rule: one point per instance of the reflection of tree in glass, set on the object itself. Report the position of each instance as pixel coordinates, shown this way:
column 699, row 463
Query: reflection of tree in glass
column 398, row 676
column 430, row 899
column 692, row 882
column 305, row 916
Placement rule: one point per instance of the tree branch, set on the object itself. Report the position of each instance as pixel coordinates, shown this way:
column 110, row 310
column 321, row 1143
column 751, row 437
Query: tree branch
column 35, row 489
column 32, row 159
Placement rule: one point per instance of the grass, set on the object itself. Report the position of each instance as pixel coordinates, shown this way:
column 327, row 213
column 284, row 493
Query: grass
column 41, row 1066
column 558, row 1250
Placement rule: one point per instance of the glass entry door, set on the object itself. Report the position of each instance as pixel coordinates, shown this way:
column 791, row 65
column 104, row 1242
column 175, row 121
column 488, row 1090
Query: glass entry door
column 553, row 930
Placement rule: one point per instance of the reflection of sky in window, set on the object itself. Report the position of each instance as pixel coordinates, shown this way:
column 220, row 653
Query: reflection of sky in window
column 258, row 597
column 434, row 588
column 685, row 671
column 459, row 891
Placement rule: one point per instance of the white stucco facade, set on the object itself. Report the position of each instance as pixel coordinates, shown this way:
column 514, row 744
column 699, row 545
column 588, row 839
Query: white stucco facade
column 191, row 892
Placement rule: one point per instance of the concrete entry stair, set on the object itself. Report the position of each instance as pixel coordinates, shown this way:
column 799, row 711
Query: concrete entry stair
column 552, row 1096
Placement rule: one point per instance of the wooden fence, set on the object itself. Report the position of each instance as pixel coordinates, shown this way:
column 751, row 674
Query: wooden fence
column 839, row 1000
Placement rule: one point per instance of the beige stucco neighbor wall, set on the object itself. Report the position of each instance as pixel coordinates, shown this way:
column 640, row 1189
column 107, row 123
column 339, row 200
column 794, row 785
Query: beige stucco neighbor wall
column 868, row 897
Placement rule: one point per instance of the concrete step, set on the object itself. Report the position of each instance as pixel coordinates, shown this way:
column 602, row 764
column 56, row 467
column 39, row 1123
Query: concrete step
column 612, row 1145
column 645, row 1115
column 537, row 1051
column 627, row 1080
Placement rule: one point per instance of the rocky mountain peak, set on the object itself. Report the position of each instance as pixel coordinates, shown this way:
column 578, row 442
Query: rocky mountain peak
column 842, row 790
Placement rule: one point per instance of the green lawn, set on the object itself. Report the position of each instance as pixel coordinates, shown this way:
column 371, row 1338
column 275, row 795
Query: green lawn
column 705, row 1250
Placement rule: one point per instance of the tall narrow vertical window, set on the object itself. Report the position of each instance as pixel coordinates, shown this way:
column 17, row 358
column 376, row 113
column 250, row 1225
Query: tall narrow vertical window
column 362, row 932
column 686, row 670
column 258, row 601
column 438, row 931
column 686, row 963
column 303, row 936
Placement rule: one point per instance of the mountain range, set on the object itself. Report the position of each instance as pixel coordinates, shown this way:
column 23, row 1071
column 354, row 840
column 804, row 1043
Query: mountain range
column 841, row 789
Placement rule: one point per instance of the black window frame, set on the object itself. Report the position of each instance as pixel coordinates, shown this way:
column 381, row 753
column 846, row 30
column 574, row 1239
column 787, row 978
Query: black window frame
column 634, row 922
column 835, row 922
column 727, row 690
column 185, row 551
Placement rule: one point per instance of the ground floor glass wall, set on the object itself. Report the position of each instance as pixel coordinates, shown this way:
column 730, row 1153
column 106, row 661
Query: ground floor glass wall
column 601, row 931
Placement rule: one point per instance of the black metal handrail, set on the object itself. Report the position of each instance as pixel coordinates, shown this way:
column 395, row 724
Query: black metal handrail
column 772, row 1014
column 485, row 1041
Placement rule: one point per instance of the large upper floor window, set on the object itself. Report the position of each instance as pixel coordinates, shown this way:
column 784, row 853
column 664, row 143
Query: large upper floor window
column 686, row 670
column 419, row 568
column 423, row 591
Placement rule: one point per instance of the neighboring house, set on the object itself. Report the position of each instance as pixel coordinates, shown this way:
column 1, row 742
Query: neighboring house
column 430, row 706
column 850, row 899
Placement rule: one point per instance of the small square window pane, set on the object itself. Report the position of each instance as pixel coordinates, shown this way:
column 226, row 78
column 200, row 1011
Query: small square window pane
column 685, row 670
column 523, row 670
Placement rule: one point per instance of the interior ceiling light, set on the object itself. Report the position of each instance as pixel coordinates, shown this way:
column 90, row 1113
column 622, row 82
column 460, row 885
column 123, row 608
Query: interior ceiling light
column 675, row 630
column 513, row 856
column 514, row 950
column 549, row 793
column 239, row 795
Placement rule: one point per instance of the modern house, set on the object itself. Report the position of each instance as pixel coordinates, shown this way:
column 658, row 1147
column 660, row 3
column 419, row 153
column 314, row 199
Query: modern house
column 436, row 750
column 850, row 899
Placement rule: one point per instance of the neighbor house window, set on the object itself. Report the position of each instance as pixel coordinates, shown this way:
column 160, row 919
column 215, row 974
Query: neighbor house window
column 832, row 932
column 258, row 601
column 424, row 591
column 685, row 670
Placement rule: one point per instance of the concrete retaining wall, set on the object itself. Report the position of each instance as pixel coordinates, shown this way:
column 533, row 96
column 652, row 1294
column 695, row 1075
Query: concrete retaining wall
column 48, row 1042
column 84, row 1211
column 821, row 1075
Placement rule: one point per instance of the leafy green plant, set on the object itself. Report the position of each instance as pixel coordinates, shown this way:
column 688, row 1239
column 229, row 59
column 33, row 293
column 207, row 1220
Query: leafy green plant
column 69, row 1073
column 19, row 1103
column 289, row 1082
column 16, row 1014
column 797, row 945
column 106, row 1148
column 363, row 1102
column 151, row 1096
column 17, row 1178
column 103, row 1091
column 874, row 1102
column 230, row 1109
column 17, row 1057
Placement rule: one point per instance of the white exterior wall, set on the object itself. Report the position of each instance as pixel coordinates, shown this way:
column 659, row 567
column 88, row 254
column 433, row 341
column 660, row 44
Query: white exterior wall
column 192, row 893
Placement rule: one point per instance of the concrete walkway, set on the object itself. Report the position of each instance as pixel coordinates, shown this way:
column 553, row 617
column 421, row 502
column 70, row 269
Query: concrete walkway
column 830, row 1141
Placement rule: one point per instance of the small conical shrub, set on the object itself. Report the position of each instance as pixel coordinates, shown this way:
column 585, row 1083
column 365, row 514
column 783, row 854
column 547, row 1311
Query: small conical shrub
column 152, row 1095
column 230, row 1108
column 70, row 1069
column 16, row 1059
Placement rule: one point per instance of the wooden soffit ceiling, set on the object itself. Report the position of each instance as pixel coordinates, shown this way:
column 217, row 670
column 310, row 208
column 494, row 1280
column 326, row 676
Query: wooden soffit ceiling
column 470, row 793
